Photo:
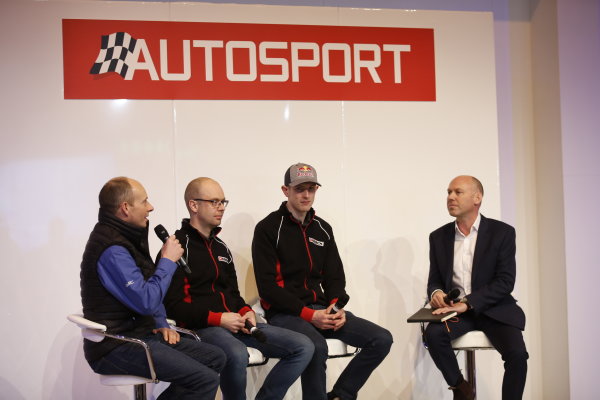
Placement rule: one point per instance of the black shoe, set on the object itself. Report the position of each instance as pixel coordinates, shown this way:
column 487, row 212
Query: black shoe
column 463, row 391
column 333, row 396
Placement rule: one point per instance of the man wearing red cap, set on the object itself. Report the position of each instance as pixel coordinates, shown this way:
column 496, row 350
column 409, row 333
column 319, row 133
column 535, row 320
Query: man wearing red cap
column 301, row 282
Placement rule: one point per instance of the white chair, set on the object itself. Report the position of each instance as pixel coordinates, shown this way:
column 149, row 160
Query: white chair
column 256, row 357
column 469, row 343
column 97, row 332
column 335, row 347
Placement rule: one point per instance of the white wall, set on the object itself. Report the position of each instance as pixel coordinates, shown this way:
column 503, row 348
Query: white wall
column 579, row 58
column 384, row 167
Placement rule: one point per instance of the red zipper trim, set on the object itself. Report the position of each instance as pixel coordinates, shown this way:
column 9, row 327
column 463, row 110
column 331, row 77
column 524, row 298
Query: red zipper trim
column 208, row 246
column 186, row 290
column 278, row 275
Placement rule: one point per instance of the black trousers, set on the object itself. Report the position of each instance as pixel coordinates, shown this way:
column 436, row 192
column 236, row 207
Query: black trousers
column 508, row 340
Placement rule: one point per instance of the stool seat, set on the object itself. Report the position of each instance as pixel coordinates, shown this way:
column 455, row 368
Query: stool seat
column 123, row 380
column 96, row 332
column 255, row 357
column 336, row 348
column 474, row 340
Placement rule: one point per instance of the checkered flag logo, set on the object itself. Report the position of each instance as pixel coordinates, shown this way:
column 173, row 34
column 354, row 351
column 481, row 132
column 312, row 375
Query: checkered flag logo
column 117, row 49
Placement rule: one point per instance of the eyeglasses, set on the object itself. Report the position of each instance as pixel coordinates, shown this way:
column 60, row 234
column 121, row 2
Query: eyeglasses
column 302, row 189
column 215, row 203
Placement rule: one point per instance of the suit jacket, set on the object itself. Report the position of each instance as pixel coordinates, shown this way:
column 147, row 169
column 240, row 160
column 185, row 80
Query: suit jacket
column 493, row 274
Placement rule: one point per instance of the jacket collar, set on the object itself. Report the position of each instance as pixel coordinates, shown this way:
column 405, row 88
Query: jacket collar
column 482, row 243
column 138, row 236
column 310, row 215
column 187, row 227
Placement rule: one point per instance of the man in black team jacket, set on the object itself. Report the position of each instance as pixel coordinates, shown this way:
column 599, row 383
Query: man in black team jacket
column 300, row 278
column 476, row 255
column 123, row 289
column 208, row 300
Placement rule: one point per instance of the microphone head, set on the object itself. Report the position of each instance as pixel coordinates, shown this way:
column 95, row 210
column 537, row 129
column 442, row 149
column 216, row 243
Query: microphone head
column 161, row 232
column 454, row 293
column 255, row 332
column 259, row 335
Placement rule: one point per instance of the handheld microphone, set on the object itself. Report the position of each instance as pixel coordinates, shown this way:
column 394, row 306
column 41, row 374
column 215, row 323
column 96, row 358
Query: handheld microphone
column 163, row 235
column 452, row 295
column 342, row 301
column 255, row 332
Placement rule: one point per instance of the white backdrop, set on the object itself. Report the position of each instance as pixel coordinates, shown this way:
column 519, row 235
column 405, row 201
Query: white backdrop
column 384, row 167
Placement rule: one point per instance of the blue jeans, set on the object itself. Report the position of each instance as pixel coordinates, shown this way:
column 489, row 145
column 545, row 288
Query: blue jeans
column 192, row 367
column 293, row 349
column 374, row 341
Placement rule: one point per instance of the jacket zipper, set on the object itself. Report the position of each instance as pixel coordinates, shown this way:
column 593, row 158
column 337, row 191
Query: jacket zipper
column 310, row 260
column 208, row 247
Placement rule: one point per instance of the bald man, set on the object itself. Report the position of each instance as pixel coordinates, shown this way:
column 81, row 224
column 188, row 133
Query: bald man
column 123, row 289
column 209, row 301
column 476, row 255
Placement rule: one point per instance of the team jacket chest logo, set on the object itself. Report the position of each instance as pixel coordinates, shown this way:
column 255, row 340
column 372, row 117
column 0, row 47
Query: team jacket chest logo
column 316, row 242
column 223, row 259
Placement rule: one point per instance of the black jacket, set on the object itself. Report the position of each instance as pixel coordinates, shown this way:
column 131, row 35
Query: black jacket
column 197, row 300
column 494, row 269
column 296, row 264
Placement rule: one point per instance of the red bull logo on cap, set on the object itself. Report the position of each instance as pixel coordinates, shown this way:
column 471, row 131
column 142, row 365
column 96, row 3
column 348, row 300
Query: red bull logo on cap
column 305, row 170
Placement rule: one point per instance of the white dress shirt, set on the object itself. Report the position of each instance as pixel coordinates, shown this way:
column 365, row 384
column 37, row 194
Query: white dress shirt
column 464, row 250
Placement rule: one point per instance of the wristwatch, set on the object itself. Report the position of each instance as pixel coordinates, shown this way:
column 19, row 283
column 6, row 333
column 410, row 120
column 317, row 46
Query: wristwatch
column 466, row 301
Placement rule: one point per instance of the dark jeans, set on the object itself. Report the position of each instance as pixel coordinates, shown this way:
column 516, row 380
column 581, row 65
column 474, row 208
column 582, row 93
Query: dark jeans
column 374, row 341
column 293, row 349
column 192, row 367
column 507, row 339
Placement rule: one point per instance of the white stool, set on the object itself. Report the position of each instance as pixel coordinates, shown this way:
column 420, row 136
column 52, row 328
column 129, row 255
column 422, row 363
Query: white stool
column 96, row 333
column 469, row 342
column 335, row 347
column 256, row 357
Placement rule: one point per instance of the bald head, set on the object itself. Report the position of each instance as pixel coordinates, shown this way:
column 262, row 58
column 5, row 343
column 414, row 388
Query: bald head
column 200, row 188
column 465, row 194
column 205, row 201
column 469, row 181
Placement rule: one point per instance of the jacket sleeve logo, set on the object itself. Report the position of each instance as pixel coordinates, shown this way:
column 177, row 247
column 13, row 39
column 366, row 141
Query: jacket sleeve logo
column 223, row 259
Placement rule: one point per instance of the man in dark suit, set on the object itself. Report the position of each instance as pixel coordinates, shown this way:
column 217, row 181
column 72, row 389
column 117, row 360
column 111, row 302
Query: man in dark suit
column 476, row 255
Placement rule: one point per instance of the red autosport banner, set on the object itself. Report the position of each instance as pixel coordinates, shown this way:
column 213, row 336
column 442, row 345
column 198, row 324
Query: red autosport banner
column 105, row 59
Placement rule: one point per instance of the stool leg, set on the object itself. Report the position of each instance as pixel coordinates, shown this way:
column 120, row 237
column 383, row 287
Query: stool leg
column 139, row 392
column 470, row 360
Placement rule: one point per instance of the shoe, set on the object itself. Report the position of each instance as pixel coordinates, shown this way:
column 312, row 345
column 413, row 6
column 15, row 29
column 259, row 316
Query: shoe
column 463, row 391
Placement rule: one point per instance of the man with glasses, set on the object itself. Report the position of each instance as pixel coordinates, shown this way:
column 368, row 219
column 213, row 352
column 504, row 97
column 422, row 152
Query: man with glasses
column 301, row 282
column 123, row 289
column 209, row 300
